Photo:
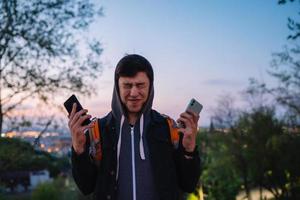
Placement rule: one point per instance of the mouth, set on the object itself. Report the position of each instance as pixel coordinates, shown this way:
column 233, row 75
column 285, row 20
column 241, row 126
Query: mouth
column 134, row 101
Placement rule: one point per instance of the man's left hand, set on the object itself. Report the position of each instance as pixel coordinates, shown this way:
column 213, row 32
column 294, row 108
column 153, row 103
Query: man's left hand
column 190, row 121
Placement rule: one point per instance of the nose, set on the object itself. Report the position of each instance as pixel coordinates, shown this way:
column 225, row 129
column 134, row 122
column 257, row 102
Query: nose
column 134, row 91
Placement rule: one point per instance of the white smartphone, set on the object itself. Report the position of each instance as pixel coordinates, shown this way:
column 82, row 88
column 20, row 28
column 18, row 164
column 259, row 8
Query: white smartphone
column 193, row 106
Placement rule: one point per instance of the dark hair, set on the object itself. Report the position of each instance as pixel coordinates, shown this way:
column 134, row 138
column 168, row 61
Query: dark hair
column 131, row 64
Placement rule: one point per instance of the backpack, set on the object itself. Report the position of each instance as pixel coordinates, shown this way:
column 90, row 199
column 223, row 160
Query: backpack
column 95, row 136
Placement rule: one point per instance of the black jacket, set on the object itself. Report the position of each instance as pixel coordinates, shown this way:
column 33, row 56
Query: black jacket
column 172, row 171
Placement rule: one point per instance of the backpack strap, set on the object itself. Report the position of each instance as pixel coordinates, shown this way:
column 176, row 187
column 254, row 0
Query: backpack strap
column 95, row 149
column 95, row 142
column 174, row 133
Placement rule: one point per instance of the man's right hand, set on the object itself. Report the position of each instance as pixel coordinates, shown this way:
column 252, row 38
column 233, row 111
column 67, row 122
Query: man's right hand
column 77, row 130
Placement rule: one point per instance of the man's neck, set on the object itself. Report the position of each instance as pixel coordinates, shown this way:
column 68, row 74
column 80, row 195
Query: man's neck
column 132, row 118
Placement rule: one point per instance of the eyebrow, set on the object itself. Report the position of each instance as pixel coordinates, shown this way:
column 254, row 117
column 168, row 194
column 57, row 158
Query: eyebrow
column 135, row 83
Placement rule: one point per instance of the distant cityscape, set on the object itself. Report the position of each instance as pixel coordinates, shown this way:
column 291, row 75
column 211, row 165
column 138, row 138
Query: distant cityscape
column 56, row 142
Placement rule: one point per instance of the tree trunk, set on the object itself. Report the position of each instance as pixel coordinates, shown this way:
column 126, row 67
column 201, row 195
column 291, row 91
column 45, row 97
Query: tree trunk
column 260, row 193
column 1, row 116
column 1, row 113
column 247, row 189
column 245, row 177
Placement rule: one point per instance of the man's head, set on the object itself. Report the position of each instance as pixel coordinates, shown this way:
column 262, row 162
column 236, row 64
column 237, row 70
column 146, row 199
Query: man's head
column 134, row 79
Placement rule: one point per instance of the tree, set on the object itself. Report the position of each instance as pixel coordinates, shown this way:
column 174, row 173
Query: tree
column 260, row 144
column 219, row 177
column 257, row 152
column 225, row 114
column 282, row 178
column 43, row 52
column 17, row 155
column 285, row 69
column 254, row 131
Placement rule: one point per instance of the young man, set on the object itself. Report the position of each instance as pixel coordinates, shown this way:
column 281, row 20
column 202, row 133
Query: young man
column 139, row 161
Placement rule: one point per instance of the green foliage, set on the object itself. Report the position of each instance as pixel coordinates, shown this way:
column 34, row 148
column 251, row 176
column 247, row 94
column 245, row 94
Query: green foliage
column 59, row 189
column 258, row 152
column 261, row 137
column 46, row 191
column 254, row 131
column 16, row 155
column 219, row 178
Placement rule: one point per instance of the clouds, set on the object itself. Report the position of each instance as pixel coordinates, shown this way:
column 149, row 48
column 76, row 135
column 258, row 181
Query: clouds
column 223, row 82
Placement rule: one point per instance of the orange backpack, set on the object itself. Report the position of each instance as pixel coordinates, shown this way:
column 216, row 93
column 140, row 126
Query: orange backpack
column 95, row 136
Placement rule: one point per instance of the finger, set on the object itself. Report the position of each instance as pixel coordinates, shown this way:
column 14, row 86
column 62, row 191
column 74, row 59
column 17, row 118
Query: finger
column 184, row 115
column 83, row 128
column 191, row 113
column 73, row 110
column 81, row 112
column 78, row 125
column 194, row 115
column 82, row 118
column 77, row 115
column 187, row 122
column 187, row 116
column 71, row 115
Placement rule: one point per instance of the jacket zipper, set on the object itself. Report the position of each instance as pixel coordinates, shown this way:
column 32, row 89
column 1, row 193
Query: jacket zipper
column 133, row 163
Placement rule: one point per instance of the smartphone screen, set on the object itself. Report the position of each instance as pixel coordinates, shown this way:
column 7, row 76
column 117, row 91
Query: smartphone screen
column 69, row 105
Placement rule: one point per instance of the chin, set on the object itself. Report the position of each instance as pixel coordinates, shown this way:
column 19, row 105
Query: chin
column 135, row 109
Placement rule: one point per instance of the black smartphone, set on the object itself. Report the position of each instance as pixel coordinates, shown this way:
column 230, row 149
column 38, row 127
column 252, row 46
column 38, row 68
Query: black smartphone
column 69, row 105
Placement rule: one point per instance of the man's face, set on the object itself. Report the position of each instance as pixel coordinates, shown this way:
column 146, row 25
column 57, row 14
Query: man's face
column 134, row 91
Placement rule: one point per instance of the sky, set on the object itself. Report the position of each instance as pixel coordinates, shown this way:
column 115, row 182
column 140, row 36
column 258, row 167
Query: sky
column 198, row 49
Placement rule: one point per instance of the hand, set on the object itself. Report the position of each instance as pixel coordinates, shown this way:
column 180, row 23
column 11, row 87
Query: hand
column 190, row 121
column 77, row 130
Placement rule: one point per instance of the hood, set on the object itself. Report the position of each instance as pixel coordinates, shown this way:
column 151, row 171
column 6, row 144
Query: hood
column 120, row 115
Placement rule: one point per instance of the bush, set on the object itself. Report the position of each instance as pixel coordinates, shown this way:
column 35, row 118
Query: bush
column 59, row 189
column 46, row 191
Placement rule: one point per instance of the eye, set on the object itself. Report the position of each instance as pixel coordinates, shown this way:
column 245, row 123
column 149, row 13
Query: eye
column 127, row 86
column 140, row 85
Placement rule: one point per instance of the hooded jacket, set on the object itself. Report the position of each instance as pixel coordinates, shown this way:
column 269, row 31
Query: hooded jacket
column 133, row 174
column 139, row 162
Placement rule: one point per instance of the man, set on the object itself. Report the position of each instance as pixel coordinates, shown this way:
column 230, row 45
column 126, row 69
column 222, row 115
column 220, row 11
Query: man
column 139, row 161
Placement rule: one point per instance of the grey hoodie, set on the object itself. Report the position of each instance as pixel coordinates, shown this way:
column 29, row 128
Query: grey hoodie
column 134, row 172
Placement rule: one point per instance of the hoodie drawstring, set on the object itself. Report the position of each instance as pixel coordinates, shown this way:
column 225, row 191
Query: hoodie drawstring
column 119, row 146
column 142, row 151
